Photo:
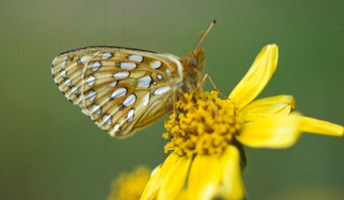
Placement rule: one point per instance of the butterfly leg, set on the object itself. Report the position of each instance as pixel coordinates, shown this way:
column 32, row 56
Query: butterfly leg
column 205, row 77
column 175, row 101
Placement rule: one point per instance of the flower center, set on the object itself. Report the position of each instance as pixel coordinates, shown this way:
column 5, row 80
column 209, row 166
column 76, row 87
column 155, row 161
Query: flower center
column 204, row 125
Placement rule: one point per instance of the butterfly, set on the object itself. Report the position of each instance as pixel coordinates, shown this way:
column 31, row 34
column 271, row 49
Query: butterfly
column 124, row 89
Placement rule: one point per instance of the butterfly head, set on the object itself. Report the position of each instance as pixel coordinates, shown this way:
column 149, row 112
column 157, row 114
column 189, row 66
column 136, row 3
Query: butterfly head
column 195, row 59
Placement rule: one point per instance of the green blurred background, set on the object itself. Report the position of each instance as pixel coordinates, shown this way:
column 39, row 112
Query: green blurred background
column 50, row 150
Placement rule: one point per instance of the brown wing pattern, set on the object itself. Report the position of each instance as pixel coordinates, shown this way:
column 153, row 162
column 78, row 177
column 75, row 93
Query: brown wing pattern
column 121, row 89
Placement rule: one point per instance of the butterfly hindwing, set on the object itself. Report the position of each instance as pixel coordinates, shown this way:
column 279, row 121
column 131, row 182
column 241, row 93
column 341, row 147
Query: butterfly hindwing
column 121, row 89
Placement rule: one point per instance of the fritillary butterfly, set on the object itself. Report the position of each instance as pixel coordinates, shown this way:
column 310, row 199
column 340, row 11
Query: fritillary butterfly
column 123, row 89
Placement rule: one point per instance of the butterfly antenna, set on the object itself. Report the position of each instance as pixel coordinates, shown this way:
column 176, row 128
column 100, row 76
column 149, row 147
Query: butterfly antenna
column 204, row 35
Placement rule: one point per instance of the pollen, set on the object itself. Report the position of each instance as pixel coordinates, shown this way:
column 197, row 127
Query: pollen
column 202, row 124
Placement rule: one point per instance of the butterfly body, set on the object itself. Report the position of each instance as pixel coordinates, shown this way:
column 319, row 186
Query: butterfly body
column 123, row 89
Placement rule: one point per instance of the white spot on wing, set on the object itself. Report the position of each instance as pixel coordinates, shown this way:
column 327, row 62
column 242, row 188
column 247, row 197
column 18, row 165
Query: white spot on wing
column 161, row 90
column 92, row 95
column 156, row 64
column 130, row 115
column 119, row 92
column 74, row 90
column 84, row 59
column 96, row 109
column 90, row 80
column 168, row 71
column 106, row 55
column 127, row 65
column 116, row 127
column 120, row 75
column 63, row 64
column 129, row 100
column 113, row 84
column 95, row 66
column 135, row 58
column 159, row 76
column 107, row 119
column 63, row 73
column 144, row 82
column 145, row 99
column 68, row 82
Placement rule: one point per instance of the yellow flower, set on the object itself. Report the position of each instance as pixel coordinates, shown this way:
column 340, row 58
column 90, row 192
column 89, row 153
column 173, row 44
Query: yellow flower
column 129, row 186
column 207, row 132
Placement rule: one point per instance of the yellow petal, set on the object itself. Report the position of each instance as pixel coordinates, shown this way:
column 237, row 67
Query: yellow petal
column 174, row 179
column 204, row 178
column 277, row 105
column 157, row 178
column 257, row 77
column 312, row 125
column 273, row 132
column 233, row 187
column 183, row 195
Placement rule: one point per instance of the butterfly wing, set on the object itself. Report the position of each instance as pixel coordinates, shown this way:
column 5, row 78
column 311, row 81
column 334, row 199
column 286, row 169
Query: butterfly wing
column 120, row 89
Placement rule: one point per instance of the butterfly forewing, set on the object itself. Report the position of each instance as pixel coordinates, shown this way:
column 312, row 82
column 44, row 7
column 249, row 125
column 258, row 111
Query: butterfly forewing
column 121, row 89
